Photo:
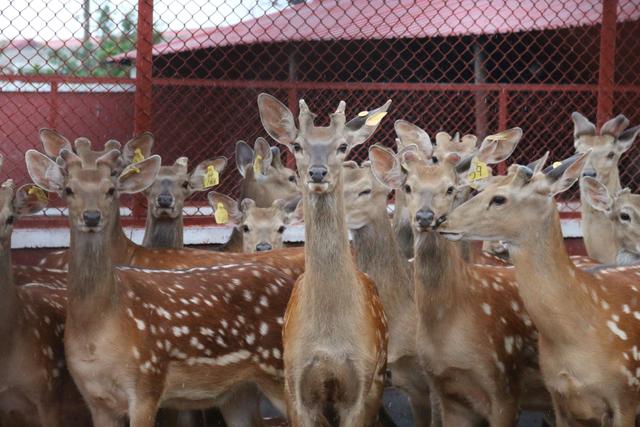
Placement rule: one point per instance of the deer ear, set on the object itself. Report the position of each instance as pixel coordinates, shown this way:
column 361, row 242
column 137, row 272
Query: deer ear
column 53, row 142
column 498, row 147
column 360, row 128
column 225, row 208
column 262, row 157
column 582, row 125
column 277, row 119
column 29, row 199
column 538, row 164
column 563, row 176
column 615, row 126
column 296, row 216
column 247, row 204
column 138, row 148
column 627, row 138
column 244, row 157
column 44, row 172
column 596, row 194
column 409, row 133
column 386, row 167
column 276, row 159
column 200, row 181
column 139, row 176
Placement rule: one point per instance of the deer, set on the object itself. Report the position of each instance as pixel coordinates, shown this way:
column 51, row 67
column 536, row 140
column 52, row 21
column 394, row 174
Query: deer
column 35, row 385
column 335, row 332
column 474, row 338
column 587, row 320
column 261, row 229
column 622, row 209
column 166, row 197
column 606, row 148
column 181, row 338
column 378, row 254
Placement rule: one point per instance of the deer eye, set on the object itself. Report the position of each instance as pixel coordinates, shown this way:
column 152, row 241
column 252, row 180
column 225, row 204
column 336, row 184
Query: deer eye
column 245, row 228
column 292, row 178
column 450, row 190
column 11, row 219
column 407, row 189
column 364, row 193
column 296, row 147
column 625, row 217
column 68, row 191
column 111, row 191
column 185, row 184
column 281, row 229
column 343, row 148
column 611, row 155
column 498, row 200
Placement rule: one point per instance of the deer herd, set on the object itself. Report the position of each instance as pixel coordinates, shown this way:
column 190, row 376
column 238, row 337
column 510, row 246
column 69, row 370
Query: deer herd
column 108, row 332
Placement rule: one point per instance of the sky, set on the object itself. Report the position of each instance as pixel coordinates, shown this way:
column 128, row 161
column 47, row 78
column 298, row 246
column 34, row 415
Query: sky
column 62, row 19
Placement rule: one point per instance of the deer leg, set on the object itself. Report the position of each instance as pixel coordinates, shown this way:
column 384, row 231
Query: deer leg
column 242, row 407
column 49, row 414
column 373, row 400
column 504, row 413
column 142, row 413
column 104, row 417
column 455, row 415
column 625, row 416
column 405, row 376
column 561, row 419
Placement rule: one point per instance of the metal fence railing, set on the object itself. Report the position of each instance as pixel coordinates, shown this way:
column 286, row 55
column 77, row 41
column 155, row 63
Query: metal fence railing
column 190, row 70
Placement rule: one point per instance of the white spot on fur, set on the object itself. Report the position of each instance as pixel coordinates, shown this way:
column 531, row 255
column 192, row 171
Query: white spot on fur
column 616, row 330
column 486, row 308
column 264, row 328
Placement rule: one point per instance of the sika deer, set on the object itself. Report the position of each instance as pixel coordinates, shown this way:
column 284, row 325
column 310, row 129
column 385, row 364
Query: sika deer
column 623, row 210
column 35, row 386
column 606, row 150
column 588, row 320
column 473, row 337
column 177, row 338
column 261, row 229
column 378, row 255
column 335, row 332
column 166, row 196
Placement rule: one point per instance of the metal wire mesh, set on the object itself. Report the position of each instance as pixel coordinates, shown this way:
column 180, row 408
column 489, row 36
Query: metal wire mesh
column 190, row 70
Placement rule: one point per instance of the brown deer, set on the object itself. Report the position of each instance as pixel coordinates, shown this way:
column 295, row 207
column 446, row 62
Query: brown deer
column 473, row 336
column 378, row 254
column 261, row 229
column 335, row 332
column 166, row 197
column 176, row 338
column 623, row 210
column 606, row 149
column 35, row 386
column 587, row 320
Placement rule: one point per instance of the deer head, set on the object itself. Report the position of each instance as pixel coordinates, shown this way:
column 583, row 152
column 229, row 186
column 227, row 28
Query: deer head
column 262, row 228
column 431, row 188
column 319, row 151
column 623, row 210
column 606, row 148
column 174, row 184
column 90, row 189
column 362, row 192
column 514, row 204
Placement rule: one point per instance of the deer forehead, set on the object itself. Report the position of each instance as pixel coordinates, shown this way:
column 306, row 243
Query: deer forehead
column 264, row 216
column 595, row 142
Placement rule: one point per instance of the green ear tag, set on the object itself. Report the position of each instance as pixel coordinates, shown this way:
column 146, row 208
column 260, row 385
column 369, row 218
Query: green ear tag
column 137, row 156
column 221, row 215
column 211, row 177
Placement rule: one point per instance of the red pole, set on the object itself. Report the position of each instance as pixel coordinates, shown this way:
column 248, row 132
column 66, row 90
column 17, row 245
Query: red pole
column 503, row 120
column 607, row 60
column 144, row 66
column 53, row 106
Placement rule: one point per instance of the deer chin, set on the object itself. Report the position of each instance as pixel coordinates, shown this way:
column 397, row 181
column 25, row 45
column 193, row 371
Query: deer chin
column 165, row 213
column 626, row 257
column 315, row 187
column 90, row 230
column 451, row 235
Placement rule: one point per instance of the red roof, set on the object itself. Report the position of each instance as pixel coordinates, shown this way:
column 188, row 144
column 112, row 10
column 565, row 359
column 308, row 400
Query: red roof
column 384, row 19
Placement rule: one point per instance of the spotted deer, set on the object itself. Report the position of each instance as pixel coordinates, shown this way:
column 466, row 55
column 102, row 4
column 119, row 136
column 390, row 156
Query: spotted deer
column 166, row 197
column 35, row 386
column 172, row 338
column 335, row 332
column 261, row 229
column 588, row 320
column 474, row 338
column 378, row 254
column 606, row 148
column 623, row 210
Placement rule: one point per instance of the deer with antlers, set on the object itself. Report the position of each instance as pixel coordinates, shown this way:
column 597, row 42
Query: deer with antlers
column 183, row 338
column 335, row 332
column 474, row 337
column 606, row 149
column 587, row 320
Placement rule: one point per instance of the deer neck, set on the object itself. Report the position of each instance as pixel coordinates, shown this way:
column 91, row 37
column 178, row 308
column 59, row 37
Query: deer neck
column 163, row 232
column 122, row 248
column 379, row 255
column 402, row 225
column 597, row 229
column 547, row 279
column 329, row 284
column 439, row 275
column 8, row 293
column 235, row 242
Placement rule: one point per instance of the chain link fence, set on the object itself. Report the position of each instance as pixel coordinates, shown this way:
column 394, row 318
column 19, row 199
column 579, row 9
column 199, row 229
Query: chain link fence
column 190, row 70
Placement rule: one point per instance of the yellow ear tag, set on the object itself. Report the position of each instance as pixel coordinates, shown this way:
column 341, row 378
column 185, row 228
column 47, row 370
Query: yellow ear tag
column 137, row 156
column 211, row 177
column 375, row 118
column 221, row 215
column 556, row 164
column 479, row 171
column 257, row 165
column 129, row 171
column 38, row 192
column 500, row 136
column 363, row 113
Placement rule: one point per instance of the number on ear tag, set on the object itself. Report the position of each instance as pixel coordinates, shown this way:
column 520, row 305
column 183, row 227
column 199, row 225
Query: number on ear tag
column 221, row 215
column 479, row 171
column 257, row 165
column 137, row 156
column 211, row 177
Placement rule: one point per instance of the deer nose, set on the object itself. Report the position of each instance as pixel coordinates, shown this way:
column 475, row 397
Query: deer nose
column 263, row 246
column 91, row 218
column 424, row 217
column 317, row 173
column 589, row 173
column 165, row 200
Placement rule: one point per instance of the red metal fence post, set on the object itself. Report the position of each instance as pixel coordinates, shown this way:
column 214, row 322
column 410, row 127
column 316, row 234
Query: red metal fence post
column 144, row 66
column 53, row 106
column 607, row 60
column 503, row 121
